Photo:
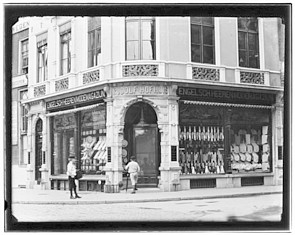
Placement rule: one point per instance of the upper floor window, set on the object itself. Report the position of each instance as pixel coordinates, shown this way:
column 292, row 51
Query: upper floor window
column 202, row 40
column 24, row 63
column 24, row 111
column 42, row 58
column 248, row 42
column 140, row 38
column 65, row 48
column 94, row 41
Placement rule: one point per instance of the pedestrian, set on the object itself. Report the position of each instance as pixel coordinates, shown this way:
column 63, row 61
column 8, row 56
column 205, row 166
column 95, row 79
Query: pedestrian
column 133, row 170
column 71, row 172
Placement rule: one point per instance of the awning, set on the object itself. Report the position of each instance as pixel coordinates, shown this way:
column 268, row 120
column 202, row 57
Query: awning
column 227, row 104
column 74, row 110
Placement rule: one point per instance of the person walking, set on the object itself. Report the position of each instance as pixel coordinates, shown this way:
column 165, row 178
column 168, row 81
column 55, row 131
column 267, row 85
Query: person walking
column 71, row 172
column 133, row 170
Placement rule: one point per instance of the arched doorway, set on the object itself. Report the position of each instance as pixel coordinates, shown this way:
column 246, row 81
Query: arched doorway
column 142, row 135
column 38, row 150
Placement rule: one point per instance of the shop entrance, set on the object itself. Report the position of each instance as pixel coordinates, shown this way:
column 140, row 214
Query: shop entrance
column 141, row 134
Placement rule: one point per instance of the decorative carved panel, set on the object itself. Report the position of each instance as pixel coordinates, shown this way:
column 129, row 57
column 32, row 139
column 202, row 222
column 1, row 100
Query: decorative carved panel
column 140, row 70
column 205, row 74
column 92, row 76
column 39, row 90
column 62, row 84
column 250, row 77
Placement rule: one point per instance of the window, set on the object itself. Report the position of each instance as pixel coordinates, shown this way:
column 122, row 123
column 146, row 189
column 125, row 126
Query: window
column 65, row 41
column 140, row 38
column 248, row 42
column 24, row 112
column 202, row 40
column 24, row 56
column 42, row 60
column 94, row 41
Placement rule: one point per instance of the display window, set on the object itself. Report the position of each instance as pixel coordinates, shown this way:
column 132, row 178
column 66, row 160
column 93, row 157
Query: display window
column 201, row 140
column 250, row 139
column 202, row 137
column 63, row 141
column 93, row 141
column 82, row 135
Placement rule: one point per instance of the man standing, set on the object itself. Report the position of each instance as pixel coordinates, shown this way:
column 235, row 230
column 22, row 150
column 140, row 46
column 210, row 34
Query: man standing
column 71, row 172
column 133, row 169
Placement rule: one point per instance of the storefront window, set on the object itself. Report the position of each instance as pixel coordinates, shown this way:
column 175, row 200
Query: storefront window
column 64, row 142
column 93, row 141
column 201, row 140
column 250, row 138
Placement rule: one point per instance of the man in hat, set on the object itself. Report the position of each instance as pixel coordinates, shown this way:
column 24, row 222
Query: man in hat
column 133, row 169
column 71, row 172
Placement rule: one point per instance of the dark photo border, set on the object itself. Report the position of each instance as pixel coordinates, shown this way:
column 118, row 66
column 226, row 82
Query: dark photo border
column 11, row 14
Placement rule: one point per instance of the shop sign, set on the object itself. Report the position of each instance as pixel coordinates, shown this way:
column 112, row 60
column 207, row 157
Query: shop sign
column 140, row 90
column 75, row 100
column 20, row 26
column 226, row 95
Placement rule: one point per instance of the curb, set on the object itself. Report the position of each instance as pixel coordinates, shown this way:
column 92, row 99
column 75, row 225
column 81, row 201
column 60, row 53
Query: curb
column 144, row 200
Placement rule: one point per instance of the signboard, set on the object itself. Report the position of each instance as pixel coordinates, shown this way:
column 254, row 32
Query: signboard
column 229, row 96
column 75, row 100
column 140, row 90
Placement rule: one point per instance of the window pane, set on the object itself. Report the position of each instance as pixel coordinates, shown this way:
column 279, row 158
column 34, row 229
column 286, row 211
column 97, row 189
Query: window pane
column 253, row 59
column 207, row 20
column 242, row 23
column 196, row 53
column 91, row 40
column 90, row 59
column 242, row 58
column 197, row 20
column 208, row 56
column 208, row 35
column 196, row 34
column 242, row 41
column 132, row 50
column 64, row 50
column 132, row 30
column 252, row 24
column 147, row 50
column 147, row 30
column 252, row 40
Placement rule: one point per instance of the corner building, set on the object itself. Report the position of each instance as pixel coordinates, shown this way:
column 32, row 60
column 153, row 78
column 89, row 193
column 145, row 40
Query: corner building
column 197, row 100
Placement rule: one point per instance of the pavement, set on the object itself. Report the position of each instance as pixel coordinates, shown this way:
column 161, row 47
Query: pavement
column 38, row 196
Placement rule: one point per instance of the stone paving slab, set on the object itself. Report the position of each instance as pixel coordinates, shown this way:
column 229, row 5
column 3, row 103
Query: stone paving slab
column 37, row 196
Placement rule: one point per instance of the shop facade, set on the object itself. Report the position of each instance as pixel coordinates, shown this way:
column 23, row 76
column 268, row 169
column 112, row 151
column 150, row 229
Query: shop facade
column 191, row 123
column 183, row 137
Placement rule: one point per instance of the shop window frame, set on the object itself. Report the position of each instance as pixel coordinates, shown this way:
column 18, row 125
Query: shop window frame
column 42, row 60
column 140, row 38
column 202, row 25
column 95, row 50
column 65, row 39
column 247, row 33
column 24, row 56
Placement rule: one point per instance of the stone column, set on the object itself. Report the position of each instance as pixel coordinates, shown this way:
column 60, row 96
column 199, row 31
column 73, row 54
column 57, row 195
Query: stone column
column 114, row 136
column 278, row 139
column 30, row 169
column 44, row 166
column 170, row 169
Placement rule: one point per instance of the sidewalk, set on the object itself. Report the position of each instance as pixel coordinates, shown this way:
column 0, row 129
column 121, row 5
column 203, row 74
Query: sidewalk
column 37, row 196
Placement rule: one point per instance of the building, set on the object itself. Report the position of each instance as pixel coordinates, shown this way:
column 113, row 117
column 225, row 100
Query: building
column 197, row 100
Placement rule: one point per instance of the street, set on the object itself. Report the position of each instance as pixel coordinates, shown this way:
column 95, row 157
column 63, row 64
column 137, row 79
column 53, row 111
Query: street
column 255, row 208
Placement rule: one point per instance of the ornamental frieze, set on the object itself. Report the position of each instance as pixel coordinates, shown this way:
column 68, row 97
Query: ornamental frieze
column 140, row 70
column 92, row 76
column 250, row 77
column 39, row 90
column 62, row 84
column 207, row 74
